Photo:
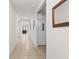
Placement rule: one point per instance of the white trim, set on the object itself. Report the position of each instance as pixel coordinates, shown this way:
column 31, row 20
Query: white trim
column 40, row 6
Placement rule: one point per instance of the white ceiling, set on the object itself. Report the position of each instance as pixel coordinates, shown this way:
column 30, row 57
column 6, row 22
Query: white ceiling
column 25, row 7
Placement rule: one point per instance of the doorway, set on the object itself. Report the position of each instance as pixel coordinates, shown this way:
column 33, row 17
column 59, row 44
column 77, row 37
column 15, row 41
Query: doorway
column 41, row 27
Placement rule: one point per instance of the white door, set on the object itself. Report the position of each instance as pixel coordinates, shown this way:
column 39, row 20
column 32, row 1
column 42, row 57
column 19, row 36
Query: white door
column 42, row 34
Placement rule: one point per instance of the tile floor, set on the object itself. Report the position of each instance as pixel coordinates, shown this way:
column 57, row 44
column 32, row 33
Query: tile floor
column 26, row 50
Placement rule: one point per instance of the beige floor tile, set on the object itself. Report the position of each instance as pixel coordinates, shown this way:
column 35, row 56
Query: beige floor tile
column 26, row 50
column 33, row 57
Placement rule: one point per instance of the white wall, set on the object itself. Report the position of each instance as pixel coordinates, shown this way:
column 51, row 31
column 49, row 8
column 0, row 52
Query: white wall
column 57, row 38
column 33, row 32
column 41, row 34
column 12, row 29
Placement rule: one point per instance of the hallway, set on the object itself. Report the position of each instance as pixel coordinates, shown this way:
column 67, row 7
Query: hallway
column 26, row 50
